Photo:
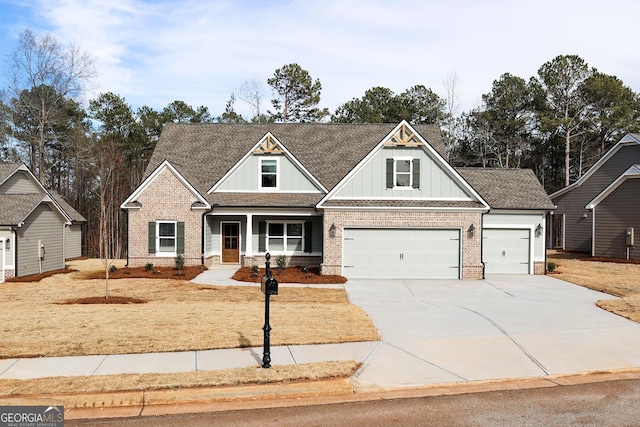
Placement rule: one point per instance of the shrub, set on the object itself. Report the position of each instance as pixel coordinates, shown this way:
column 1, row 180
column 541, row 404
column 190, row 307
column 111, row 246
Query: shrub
column 304, row 268
column 282, row 262
column 255, row 270
column 113, row 269
column 551, row 267
column 179, row 262
column 148, row 266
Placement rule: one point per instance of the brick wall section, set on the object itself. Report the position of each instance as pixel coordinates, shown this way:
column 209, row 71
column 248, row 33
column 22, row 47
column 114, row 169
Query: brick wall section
column 166, row 198
column 472, row 267
column 539, row 267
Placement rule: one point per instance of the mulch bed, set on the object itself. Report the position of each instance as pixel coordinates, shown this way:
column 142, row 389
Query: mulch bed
column 104, row 300
column 187, row 273
column 38, row 277
column 289, row 275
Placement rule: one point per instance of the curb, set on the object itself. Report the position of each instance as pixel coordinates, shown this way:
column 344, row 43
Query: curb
column 215, row 399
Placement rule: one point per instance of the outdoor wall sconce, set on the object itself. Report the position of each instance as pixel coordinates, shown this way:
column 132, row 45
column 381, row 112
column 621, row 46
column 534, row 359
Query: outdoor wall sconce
column 471, row 231
column 539, row 230
column 332, row 230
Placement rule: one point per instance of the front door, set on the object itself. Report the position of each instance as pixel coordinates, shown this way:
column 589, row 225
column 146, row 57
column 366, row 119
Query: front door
column 231, row 242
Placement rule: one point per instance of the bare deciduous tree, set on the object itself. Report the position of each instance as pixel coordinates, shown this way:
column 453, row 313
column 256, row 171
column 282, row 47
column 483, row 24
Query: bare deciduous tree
column 50, row 73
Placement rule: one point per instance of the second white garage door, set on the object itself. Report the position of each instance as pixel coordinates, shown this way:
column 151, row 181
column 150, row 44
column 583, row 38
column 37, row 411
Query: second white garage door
column 506, row 250
column 401, row 253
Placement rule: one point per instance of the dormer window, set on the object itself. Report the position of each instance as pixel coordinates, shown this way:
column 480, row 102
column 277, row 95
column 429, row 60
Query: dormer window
column 402, row 173
column 269, row 174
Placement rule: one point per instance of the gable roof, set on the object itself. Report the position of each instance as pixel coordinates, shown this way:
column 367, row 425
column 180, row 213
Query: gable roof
column 15, row 208
column 628, row 139
column 508, row 188
column 204, row 153
column 632, row 172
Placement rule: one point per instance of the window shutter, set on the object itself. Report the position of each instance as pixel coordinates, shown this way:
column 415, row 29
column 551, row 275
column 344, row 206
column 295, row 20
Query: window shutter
column 262, row 236
column 152, row 237
column 389, row 173
column 180, row 237
column 307, row 237
column 416, row 173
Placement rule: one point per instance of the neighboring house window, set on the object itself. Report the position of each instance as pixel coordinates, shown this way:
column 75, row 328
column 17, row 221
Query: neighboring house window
column 403, row 172
column 269, row 173
column 285, row 237
column 166, row 238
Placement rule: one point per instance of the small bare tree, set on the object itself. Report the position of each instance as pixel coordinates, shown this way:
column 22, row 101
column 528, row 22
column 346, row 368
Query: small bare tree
column 251, row 92
column 452, row 108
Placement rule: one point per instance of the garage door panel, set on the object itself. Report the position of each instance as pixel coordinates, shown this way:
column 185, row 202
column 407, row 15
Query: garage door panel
column 506, row 251
column 401, row 253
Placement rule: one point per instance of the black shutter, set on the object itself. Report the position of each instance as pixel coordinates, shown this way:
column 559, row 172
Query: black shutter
column 307, row 237
column 416, row 173
column 180, row 237
column 262, row 236
column 152, row 237
column 389, row 173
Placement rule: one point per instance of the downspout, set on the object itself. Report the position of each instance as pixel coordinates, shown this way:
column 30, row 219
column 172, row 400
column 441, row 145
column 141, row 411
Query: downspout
column 481, row 242
column 15, row 251
column 204, row 214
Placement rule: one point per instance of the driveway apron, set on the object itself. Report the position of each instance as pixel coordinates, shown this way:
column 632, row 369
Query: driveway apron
column 507, row 326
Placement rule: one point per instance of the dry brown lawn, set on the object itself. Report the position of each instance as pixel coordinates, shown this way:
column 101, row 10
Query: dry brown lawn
column 36, row 319
column 615, row 278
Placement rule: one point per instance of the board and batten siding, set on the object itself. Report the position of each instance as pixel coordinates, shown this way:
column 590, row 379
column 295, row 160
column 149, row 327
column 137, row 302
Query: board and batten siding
column 612, row 217
column 43, row 225
column 520, row 221
column 578, row 227
column 370, row 180
column 19, row 183
column 247, row 176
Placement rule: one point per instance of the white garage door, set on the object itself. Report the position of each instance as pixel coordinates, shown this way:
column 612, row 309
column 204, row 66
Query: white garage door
column 506, row 250
column 401, row 253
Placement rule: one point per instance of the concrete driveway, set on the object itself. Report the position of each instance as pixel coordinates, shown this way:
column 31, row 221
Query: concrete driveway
column 512, row 326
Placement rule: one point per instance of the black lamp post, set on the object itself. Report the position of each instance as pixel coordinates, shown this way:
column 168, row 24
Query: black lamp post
column 269, row 287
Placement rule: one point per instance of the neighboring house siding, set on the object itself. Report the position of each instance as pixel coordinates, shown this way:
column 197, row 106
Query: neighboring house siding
column 612, row 217
column 19, row 183
column 370, row 180
column 165, row 199
column 73, row 241
column 471, row 264
column 43, row 225
column 247, row 176
column 572, row 203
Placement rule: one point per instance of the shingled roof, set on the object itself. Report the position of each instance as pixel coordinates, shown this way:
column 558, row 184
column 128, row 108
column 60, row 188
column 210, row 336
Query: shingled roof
column 508, row 188
column 204, row 153
column 14, row 208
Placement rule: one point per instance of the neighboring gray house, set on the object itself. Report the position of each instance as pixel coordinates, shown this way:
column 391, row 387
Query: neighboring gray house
column 32, row 225
column 73, row 229
column 595, row 213
column 359, row 200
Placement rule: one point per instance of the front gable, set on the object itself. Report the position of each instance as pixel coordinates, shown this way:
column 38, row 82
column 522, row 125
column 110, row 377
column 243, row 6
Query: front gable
column 268, row 167
column 403, row 166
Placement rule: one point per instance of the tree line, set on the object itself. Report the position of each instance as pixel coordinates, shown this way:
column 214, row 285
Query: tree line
column 557, row 123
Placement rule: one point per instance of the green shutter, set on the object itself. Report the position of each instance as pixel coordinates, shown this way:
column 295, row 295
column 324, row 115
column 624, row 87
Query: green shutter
column 416, row 173
column 152, row 237
column 262, row 236
column 180, row 238
column 308, row 236
column 389, row 173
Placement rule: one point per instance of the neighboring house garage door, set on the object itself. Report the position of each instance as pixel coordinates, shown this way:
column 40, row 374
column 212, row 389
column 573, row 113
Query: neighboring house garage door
column 506, row 250
column 401, row 253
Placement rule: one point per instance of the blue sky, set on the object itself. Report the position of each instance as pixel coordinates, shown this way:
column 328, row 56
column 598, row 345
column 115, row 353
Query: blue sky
column 200, row 51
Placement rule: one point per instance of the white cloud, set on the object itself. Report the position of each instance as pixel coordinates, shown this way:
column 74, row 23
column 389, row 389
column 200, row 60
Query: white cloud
column 154, row 52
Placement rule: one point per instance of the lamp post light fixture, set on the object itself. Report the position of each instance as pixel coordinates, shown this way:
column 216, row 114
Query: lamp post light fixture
column 269, row 286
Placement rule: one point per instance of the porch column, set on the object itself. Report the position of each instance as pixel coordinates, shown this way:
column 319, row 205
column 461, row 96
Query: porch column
column 248, row 239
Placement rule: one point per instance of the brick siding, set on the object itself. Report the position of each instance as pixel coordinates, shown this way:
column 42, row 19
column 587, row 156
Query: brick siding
column 166, row 198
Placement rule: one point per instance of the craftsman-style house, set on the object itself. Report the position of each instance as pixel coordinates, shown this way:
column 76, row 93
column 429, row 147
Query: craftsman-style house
column 360, row 200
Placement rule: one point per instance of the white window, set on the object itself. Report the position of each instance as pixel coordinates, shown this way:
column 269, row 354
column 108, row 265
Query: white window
column 403, row 172
column 269, row 174
column 285, row 237
column 166, row 238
